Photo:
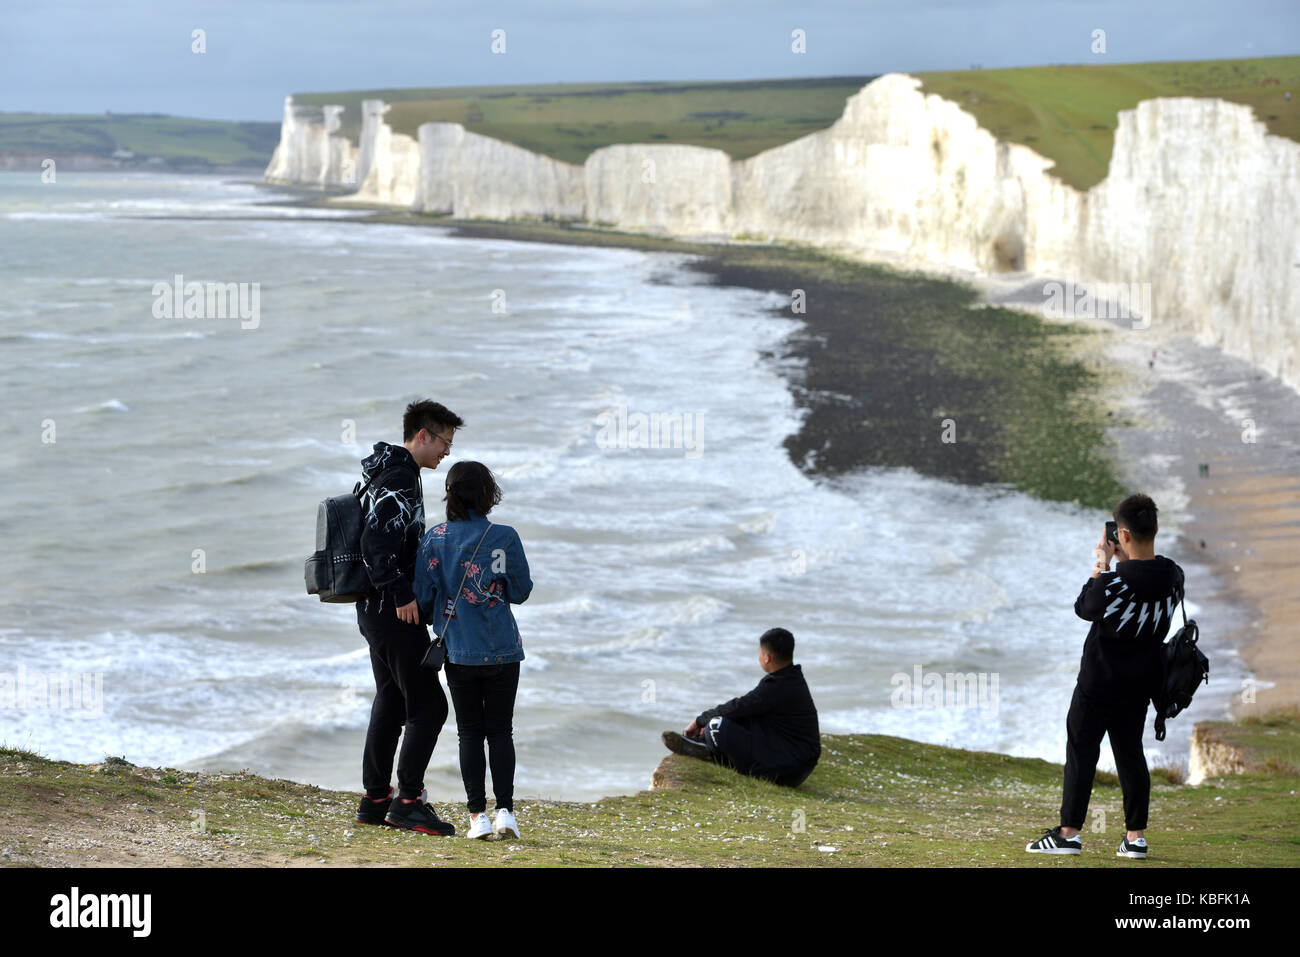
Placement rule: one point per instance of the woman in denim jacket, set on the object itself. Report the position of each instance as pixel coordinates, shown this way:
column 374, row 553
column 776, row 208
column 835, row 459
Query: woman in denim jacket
column 483, row 644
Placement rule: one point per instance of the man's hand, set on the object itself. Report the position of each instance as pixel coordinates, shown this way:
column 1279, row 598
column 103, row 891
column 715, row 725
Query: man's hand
column 410, row 613
column 1104, row 552
column 693, row 730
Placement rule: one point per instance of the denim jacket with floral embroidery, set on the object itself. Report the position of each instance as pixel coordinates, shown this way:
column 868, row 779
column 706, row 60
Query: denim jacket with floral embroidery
column 483, row 629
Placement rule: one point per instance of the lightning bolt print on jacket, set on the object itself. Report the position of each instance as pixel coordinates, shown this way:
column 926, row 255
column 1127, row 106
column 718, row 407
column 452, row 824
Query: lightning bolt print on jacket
column 1131, row 610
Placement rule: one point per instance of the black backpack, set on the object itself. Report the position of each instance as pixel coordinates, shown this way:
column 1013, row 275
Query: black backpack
column 335, row 571
column 1183, row 668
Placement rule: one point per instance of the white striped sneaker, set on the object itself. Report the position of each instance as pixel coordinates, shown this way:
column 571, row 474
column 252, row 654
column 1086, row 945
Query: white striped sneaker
column 1052, row 843
column 506, row 826
column 1134, row 849
column 480, row 827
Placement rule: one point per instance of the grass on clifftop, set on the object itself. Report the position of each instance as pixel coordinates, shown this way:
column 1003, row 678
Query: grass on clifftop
column 568, row 121
column 874, row 800
column 1264, row 742
column 1069, row 113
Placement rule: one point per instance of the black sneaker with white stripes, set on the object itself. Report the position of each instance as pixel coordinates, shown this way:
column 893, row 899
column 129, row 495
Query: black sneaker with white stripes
column 1135, row 849
column 1052, row 843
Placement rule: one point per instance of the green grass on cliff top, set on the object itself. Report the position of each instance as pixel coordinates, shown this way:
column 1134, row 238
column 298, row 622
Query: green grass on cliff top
column 1069, row 113
column 1066, row 113
column 568, row 121
column 874, row 800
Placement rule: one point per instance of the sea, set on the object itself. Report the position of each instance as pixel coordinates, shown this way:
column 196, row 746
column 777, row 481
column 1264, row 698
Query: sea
column 163, row 465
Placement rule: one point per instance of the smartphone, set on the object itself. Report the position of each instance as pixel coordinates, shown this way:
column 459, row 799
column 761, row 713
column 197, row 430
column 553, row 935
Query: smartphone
column 1112, row 533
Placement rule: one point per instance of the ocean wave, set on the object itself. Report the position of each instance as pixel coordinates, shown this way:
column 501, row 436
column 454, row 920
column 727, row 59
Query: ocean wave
column 633, row 640
column 699, row 545
column 697, row 610
column 109, row 405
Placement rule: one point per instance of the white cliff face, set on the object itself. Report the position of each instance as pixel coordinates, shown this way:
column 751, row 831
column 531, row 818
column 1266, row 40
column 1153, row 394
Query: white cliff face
column 660, row 188
column 1200, row 203
column 899, row 173
column 310, row 152
column 389, row 163
column 1203, row 204
column 477, row 177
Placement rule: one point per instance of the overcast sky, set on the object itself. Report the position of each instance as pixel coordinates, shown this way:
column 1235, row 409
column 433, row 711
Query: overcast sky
column 135, row 55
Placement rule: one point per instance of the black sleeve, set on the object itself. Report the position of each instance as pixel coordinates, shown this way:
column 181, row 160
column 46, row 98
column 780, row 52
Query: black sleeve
column 755, row 702
column 383, row 533
column 1091, row 603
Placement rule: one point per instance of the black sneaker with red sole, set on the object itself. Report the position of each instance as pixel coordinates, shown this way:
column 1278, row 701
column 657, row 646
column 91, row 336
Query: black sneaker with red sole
column 372, row 810
column 415, row 815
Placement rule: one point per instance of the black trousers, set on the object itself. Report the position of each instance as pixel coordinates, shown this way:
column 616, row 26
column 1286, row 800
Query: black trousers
column 733, row 740
column 484, row 696
column 1123, row 720
column 408, row 697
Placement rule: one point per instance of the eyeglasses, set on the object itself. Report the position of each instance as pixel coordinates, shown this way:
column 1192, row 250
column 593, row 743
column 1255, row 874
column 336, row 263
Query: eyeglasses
column 446, row 441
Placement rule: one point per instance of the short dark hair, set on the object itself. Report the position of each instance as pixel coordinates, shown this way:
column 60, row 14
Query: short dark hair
column 427, row 414
column 470, row 485
column 1137, row 513
column 780, row 643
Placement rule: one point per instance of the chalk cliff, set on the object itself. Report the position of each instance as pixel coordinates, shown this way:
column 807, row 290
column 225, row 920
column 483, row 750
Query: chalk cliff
column 388, row 162
column 1200, row 203
column 311, row 152
column 664, row 188
column 472, row 176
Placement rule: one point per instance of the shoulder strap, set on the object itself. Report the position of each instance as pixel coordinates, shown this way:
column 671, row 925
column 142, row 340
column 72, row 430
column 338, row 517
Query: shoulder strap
column 1182, row 594
column 446, row 624
column 360, row 490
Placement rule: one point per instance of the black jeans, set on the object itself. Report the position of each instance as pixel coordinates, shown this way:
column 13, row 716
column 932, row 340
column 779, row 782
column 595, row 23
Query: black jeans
column 1088, row 720
column 484, row 696
column 407, row 696
column 733, row 740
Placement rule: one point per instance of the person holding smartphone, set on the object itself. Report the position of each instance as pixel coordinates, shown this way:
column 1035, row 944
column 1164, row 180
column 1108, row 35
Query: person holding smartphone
column 1131, row 609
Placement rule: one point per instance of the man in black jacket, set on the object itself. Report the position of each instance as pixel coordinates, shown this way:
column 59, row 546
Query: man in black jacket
column 407, row 696
column 771, row 732
column 1131, row 610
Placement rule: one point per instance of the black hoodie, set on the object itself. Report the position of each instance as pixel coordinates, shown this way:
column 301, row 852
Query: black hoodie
column 782, row 717
column 394, row 524
column 1131, row 610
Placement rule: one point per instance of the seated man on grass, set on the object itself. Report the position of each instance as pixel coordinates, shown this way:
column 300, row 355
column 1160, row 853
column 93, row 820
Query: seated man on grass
column 769, row 733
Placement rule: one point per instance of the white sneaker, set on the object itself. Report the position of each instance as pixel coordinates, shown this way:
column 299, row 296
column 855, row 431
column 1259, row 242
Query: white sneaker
column 480, row 827
column 506, row 826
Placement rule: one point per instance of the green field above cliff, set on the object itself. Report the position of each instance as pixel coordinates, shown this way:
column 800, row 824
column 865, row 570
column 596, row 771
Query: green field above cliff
column 568, row 121
column 175, row 140
column 1066, row 113
column 1069, row 113
column 874, row 800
